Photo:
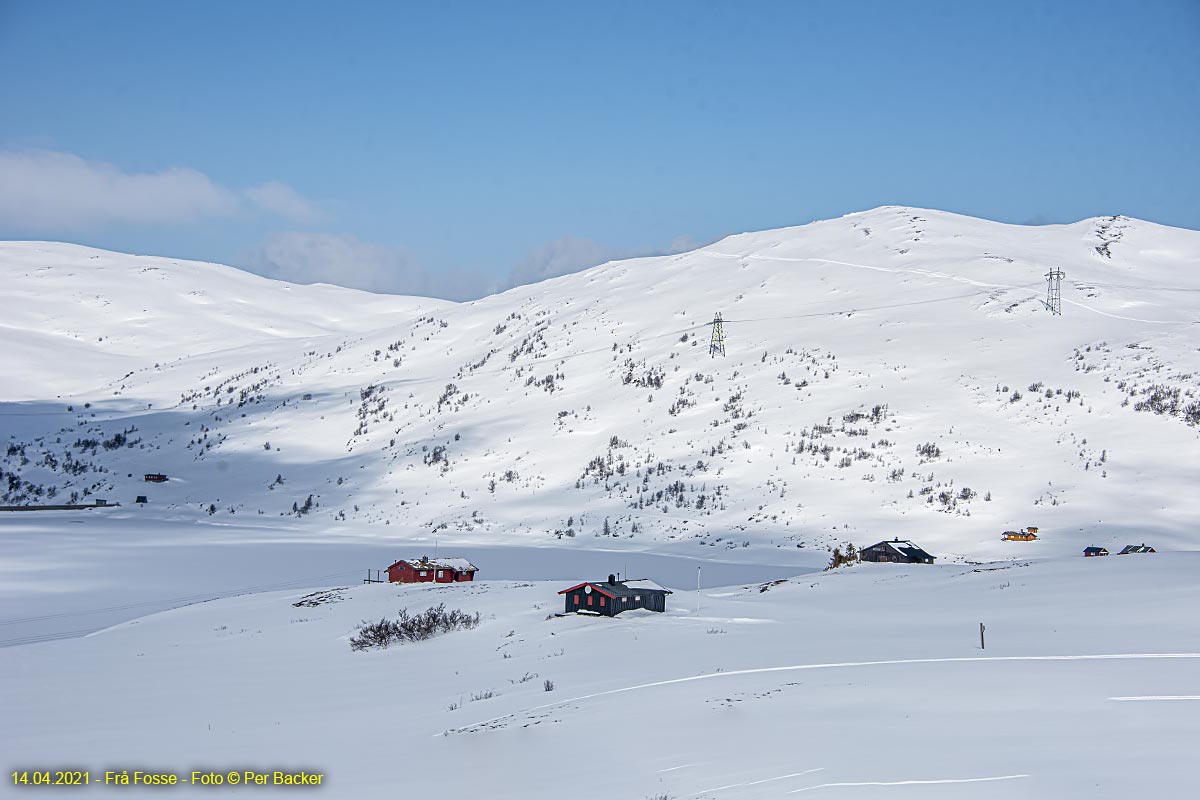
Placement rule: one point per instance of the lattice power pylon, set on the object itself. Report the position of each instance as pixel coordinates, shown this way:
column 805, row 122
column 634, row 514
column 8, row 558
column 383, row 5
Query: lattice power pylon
column 716, row 345
column 1054, row 290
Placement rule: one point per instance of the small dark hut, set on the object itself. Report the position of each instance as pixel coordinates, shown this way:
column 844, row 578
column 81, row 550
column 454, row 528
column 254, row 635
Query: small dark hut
column 897, row 551
column 611, row 597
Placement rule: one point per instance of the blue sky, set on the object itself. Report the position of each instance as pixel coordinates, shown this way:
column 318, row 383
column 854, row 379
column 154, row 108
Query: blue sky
column 458, row 148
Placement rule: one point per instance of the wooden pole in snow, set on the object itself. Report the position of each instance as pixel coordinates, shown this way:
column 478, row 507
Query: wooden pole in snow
column 982, row 646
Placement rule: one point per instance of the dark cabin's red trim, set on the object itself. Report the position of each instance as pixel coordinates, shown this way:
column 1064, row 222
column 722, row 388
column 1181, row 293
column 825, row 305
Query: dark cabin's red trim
column 594, row 586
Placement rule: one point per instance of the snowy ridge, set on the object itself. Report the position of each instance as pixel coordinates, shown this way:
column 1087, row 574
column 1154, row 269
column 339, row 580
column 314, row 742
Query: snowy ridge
column 76, row 317
column 892, row 373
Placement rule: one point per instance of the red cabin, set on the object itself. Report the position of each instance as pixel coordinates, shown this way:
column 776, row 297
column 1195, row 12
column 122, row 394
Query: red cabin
column 435, row 570
column 155, row 477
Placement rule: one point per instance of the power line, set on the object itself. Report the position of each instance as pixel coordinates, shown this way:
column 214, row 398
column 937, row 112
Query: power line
column 582, row 354
column 176, row 602
column 1149, row 287
column 1146, row 286
column 38, row 638
column 842, row 311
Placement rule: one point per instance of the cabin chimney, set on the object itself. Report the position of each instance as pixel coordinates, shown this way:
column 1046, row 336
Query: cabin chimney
column 612, row 579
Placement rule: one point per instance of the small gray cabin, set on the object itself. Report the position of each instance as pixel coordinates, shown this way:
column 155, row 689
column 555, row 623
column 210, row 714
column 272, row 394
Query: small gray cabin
column 611, row 597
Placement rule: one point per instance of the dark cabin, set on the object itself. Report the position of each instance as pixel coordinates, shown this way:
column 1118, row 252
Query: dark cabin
column 1092, row 552
column 155, row 477
column 611, row 597
column 897, row 551
column 1136, row 548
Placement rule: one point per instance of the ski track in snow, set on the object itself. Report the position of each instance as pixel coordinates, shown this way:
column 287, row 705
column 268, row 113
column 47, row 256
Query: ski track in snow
column 832, row 665
column 910, row 783
column 1149, row 697
column 756, row 783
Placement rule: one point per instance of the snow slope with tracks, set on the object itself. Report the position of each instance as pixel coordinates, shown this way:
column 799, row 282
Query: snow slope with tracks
column 862, row 682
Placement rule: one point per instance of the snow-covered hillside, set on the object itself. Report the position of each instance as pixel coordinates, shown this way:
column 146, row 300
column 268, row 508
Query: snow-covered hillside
column 78, row 319
column 856, row 683
column 892, row 372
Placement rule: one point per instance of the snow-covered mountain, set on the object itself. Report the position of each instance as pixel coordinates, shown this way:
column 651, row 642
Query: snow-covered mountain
column 890, row 373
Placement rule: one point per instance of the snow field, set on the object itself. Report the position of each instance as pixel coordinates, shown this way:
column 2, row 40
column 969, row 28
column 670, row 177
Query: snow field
column 836, row 684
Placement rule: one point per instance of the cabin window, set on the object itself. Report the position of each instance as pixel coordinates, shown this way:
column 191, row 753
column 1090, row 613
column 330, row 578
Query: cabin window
column 624, row 599
column 576, row 599
column 602, row 602
column 439, row 574
column 422, row 573
column 637, row 598
column 589, row 599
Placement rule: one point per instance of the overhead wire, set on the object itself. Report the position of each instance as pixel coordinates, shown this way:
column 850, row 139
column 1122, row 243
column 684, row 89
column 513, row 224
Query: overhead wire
column 677, row 332
column 176, row 602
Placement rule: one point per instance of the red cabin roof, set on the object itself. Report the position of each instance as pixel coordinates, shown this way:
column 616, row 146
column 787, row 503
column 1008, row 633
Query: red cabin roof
column 595, row 586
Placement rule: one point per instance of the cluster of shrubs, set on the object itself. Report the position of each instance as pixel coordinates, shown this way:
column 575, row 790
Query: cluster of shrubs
column 840, row 559
column 412, row 627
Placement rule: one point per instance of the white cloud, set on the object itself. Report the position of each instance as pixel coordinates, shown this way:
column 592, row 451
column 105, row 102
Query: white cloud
column 347, row 261
column 559, row 257
column 282, row 200
column 302, row 257
column 51, row 191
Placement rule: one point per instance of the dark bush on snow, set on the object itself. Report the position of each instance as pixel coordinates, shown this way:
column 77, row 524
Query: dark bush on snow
column 412, row 627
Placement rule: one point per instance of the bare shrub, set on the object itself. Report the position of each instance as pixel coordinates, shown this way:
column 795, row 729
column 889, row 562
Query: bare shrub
column 412, row 627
